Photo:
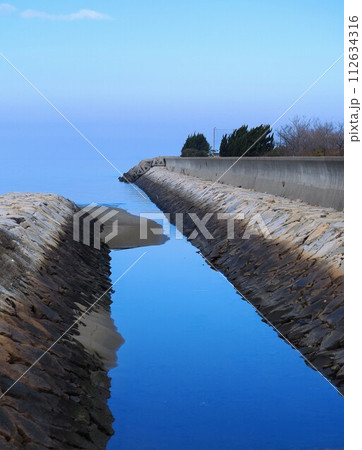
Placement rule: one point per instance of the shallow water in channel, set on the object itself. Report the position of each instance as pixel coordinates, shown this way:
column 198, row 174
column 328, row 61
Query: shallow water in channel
column 199, row 369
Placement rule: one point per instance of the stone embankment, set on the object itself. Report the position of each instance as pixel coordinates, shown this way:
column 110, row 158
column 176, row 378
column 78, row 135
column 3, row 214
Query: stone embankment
column 46, row 281
column 141, row 168
column 290, row 269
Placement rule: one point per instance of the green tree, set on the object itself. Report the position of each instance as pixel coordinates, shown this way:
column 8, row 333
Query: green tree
column 196, row 145
column 257, row 141
column 223, row 145
column 260, row 141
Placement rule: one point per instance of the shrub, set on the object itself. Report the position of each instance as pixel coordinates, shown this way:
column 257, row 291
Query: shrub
column 196, row 145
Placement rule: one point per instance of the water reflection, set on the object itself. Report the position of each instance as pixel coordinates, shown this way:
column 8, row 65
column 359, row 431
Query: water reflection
column 128, row 231
column 121, row 230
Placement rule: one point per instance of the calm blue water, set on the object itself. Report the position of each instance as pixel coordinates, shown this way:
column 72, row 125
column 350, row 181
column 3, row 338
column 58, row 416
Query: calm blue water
column 199, row 369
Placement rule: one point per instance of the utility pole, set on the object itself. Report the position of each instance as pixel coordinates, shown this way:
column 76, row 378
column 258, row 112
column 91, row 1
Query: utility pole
column 214, row 136
column 213, row 141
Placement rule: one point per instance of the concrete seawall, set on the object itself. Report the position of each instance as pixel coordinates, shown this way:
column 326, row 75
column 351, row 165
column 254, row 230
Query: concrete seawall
column 47, row 280
column 317, row 181
column 294, row 277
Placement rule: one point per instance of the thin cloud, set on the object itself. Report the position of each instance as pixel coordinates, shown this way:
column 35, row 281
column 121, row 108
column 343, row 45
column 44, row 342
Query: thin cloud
column 5, row 8
column 83, row 14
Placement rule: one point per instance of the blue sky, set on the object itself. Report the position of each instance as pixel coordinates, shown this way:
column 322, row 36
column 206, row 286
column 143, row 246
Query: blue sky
column 137, row 76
